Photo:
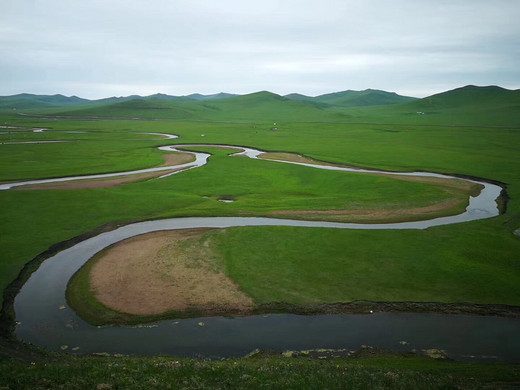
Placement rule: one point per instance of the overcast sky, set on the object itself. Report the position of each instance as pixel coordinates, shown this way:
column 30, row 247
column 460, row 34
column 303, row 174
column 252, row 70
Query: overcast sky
column 101, row 48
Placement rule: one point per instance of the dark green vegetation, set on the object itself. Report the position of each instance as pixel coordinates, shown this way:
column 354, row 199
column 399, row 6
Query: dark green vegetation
column 459, row 132
column 280, row 373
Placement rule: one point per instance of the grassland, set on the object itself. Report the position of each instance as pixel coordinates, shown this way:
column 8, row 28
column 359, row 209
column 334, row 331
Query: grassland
column 259, row 188
column 170, row 373
column 475, row 262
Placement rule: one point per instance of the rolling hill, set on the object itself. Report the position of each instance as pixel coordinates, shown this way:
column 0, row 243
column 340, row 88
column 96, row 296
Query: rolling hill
column 490, row 105
column 368, row 97
column 469, row 105
column 470, row 96
column 259, row 106
column 465, row 106
column 29, row 101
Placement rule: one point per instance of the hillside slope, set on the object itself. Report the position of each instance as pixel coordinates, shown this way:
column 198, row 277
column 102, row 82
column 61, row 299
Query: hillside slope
column 368, row 97
column 469, row 105
column 259, row 106
column 29, row 101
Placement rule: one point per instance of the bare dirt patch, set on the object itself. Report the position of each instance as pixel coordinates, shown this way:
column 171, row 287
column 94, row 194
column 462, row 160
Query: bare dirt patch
column 165, row 271
column 177, row 158
column 293, row 157
column 451, row 183
column 371, row 216
column 453, row 187
column 171, row 159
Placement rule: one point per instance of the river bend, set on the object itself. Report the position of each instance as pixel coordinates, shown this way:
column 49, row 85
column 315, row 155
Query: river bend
column 44, row 319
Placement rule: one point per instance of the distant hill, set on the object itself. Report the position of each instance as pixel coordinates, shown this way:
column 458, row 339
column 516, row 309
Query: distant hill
column 469, row 105
column 368, row 97
column 27, row 101
column 265, row 105
column 220, row 95
column 298, row 96
column 135, row 108
column 470, row 96
column 262, row 106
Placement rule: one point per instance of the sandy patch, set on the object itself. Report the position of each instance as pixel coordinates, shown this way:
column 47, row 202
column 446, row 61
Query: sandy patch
column 163, row 271
column 177, row 158
column 451, row 186
column 452, row 183
column 169, row 159
column 96, row 183
column 293, row 157
column 371, row 216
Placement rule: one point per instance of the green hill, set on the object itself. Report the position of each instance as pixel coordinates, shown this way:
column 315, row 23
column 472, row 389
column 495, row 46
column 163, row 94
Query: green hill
column 269, row 106
column 298, row 96
column 466, row 106
column 220, row 95
column 259, row 106
column 29, row 101
column 368, row 97
column 137, row 108
column 489, row 105
column 471, row 96
column 470, row 105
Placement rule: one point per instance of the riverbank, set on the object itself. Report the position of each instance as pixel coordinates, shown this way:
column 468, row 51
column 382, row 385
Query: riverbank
column 190, row 278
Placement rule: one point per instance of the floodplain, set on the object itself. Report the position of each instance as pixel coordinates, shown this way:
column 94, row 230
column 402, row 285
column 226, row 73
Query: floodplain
column 475, row 263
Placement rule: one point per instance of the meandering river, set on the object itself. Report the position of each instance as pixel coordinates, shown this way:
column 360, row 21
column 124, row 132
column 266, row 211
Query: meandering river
column 44, row 319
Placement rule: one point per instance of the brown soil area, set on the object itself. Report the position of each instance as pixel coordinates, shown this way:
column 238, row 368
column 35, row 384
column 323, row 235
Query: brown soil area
column 451, row 186
column 451, row 183
column 177, row 158
column 170, row 159
column 293, row 157
column 369, row 215
column 164, row 271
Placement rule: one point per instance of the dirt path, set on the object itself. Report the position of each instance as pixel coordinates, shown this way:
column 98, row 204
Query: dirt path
column 164, row 271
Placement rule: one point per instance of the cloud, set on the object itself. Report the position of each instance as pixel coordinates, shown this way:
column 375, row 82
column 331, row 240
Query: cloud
column 100, row 48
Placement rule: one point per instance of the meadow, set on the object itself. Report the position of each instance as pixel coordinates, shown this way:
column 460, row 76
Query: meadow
column 474, row 262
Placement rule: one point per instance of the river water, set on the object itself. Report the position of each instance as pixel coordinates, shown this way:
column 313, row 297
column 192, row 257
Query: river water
column 44, row 319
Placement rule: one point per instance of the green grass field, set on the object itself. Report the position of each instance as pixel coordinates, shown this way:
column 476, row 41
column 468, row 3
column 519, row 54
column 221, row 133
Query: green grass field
column 471, row 262
column 170, row 373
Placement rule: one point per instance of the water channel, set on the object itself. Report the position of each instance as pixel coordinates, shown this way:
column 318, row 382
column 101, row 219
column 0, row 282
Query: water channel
column 44, row 319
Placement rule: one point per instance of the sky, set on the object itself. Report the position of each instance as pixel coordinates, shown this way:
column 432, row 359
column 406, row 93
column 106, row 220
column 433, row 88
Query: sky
column 101, row 48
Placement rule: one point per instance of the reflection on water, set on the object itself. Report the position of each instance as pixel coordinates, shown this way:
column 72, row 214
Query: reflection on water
column 44, row 322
